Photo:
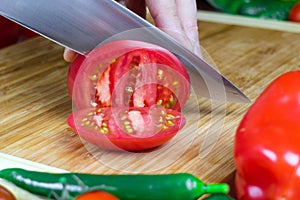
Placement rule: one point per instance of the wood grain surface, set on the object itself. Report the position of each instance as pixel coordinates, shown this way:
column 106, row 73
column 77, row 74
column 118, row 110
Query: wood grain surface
column 240, row 20
column 34, row 105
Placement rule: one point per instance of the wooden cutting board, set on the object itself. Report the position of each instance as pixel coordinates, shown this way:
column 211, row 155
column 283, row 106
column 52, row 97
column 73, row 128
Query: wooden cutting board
column 34, row 105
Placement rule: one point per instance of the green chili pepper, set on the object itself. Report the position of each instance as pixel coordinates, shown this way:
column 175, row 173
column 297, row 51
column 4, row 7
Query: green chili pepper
column 219, row 197
column 270, row 9
column 126, row 187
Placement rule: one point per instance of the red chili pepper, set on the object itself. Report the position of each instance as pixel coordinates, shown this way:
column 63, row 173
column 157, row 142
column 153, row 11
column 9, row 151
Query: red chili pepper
column 267, row 143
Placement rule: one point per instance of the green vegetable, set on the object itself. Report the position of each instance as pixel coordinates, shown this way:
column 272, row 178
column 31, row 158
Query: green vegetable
column 269, row 9
column 228, row 6
column 219, row 197
column 126, row 187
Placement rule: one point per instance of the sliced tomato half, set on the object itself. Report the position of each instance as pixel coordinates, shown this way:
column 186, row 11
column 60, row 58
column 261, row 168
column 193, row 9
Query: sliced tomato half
column 128, row 73
column 128, row 95
column 131, row 129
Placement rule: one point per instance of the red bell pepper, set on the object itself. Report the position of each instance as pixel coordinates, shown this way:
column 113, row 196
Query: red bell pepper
column 267, row 143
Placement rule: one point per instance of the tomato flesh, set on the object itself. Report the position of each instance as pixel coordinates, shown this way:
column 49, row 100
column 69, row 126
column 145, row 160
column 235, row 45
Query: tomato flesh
column 142, row 79
column 130, row 129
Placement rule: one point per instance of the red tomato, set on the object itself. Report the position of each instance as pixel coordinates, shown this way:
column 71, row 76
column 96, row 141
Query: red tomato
column 96, row 195
column 133, row 91
column 9, row 32
column 294, row 14
column 128, row 73
column 5, row 194
column 131, row 129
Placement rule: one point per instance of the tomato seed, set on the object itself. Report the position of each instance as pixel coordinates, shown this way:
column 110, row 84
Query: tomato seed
column 159, row 102
column 170, row 123
column 170, row 116
column 99, row 110
column 103, row 131
column 84, row 119
column 94, row 104
column 129, row 130
column 175, row 83
column 129, row 89
column 161, row 120
column 160, row 74
column 113, row 60
column 94, row 77
column 126, row 123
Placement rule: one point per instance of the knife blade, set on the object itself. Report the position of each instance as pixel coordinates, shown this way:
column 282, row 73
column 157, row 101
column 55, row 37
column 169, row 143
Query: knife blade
column 82, row 25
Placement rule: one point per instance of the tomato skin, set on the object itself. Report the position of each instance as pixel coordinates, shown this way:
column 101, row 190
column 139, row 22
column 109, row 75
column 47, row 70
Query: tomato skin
column 294, row 14
column 267, row 150
column 96, row 195
column 115, row 137
column 73, row 71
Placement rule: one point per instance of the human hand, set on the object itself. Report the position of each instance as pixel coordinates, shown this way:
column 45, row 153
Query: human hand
column 178, row 18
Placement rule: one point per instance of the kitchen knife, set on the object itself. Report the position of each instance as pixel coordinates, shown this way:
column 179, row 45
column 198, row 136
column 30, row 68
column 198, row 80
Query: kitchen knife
column 82, row 25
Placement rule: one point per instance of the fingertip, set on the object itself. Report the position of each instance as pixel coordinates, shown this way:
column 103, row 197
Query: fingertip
column 69, row 55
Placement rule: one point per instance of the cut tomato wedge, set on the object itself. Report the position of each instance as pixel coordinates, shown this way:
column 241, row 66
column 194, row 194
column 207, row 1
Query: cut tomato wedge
column 131, row 129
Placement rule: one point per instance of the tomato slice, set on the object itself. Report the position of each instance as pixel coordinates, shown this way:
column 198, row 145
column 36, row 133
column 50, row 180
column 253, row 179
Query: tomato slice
column 96, row 195
column 131, row 129
column 128, row 73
